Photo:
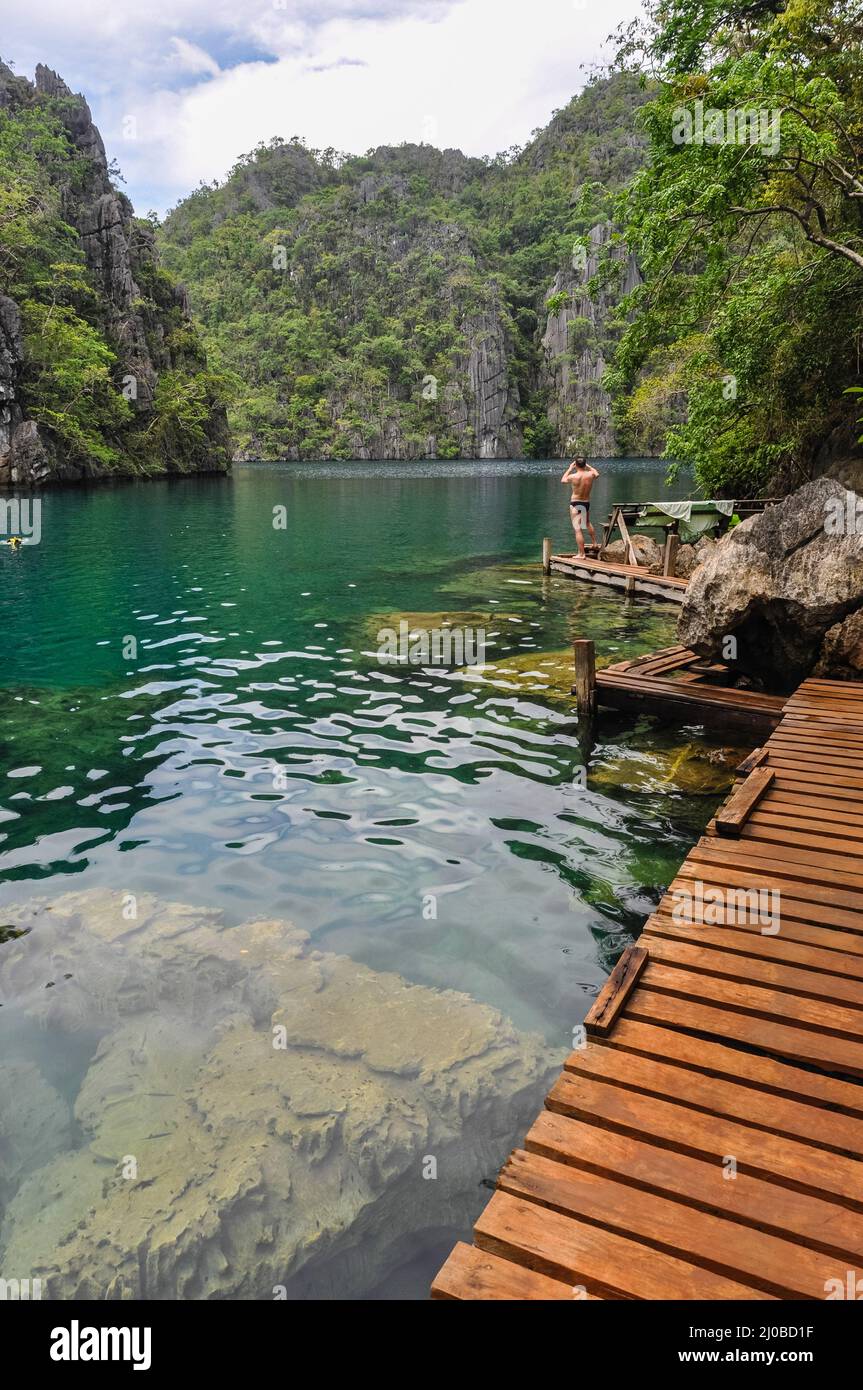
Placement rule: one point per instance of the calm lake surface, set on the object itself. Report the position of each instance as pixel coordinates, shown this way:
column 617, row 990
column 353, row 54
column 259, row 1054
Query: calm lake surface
column 253, row 756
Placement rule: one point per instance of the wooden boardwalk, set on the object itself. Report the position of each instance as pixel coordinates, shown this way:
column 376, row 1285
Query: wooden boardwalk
column 632, row 579
column 707, row 1141
column 675, row 683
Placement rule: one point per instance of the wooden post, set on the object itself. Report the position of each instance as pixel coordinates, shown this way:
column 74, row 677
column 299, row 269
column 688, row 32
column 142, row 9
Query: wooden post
column 624, row 531
column 669, row 560
column 546, row 555
column 584, row 688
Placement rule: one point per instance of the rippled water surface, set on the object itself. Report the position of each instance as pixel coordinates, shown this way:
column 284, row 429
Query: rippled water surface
column 194, row 708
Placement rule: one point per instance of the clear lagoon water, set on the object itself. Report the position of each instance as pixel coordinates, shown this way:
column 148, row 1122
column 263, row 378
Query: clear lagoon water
column 193, row 707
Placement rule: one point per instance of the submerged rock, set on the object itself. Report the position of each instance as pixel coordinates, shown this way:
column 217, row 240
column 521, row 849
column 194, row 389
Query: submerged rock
column 691, row 768
column 779, row 583
column 549, row 674
column 256, row 1114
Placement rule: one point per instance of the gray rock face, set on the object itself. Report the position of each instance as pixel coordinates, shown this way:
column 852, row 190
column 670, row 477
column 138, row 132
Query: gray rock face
column 576, row 343
column 11, row 353
column 251, row 1113
column 779, row 583
column 118, row 253
column 841, row 656
column 492, row 400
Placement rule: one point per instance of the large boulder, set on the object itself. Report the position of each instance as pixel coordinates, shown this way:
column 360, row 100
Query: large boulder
column 778, row 584
column 647, row 553
column 689, row 557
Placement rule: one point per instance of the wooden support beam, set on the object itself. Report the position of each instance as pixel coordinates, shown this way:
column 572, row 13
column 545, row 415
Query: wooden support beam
column 627, row 539
column 669, row 559
column 731, row 819
column 584, row 687
column 614, row 993
column 546, row 555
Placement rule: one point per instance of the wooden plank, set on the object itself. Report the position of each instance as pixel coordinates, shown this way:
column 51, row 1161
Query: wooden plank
column 776, row 831
column 779, row 1267
column 748, row 942
column 789, row 781
column 755, row 758
column 616, row 990
column 601, row 1261
column 783, row 1161
column 474, row 1274
column 811, row 902
column 813, row 1221
column 731, row 819
column 734, row 1100
column 801, row 1045
column 816, row 774
column 654, row 586
column 772, row 870
column 656, row 685
column 783, row 812
column 771, row 1003
column 761, row 1073
column 805, row 863
column 730, row 965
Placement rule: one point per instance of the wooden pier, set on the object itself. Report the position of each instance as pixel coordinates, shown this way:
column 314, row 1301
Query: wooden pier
column 676, row 684
column 631, row 579
column 706, row 1142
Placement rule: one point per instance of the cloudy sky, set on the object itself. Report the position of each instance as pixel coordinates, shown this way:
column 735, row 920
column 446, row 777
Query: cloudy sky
column 181, row 88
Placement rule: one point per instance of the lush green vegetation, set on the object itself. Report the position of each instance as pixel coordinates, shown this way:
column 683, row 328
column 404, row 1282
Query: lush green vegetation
column 746, row 332
column 75, row 373
column 364, row 304
column 347, row 294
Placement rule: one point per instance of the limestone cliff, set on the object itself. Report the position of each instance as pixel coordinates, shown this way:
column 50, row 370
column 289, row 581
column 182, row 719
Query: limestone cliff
column 106, row 285
column 578, row 342
column 394, row 305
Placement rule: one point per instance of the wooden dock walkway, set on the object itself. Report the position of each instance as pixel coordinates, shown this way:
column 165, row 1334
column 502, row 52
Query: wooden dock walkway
column 707, row 1141
column 632, row 579
column 675, row 683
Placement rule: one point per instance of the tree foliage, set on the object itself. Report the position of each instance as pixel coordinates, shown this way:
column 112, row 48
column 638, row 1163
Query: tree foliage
column 751, row 248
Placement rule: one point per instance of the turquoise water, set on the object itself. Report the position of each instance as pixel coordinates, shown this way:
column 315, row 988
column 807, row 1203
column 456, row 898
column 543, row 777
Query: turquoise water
column 194, row 708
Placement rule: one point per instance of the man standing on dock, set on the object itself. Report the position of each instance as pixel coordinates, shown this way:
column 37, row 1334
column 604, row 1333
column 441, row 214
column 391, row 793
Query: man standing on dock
column 581, row 476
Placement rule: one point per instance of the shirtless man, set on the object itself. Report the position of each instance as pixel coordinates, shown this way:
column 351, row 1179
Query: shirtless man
column 581, row 476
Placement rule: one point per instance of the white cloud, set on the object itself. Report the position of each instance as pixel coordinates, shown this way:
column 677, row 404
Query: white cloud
column 208, row 79
column 189, row 58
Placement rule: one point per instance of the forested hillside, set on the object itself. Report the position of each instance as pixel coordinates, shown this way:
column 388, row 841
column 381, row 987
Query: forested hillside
column 414, row 302
column 745, row 337
column 101, row 370
column 616, row 286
